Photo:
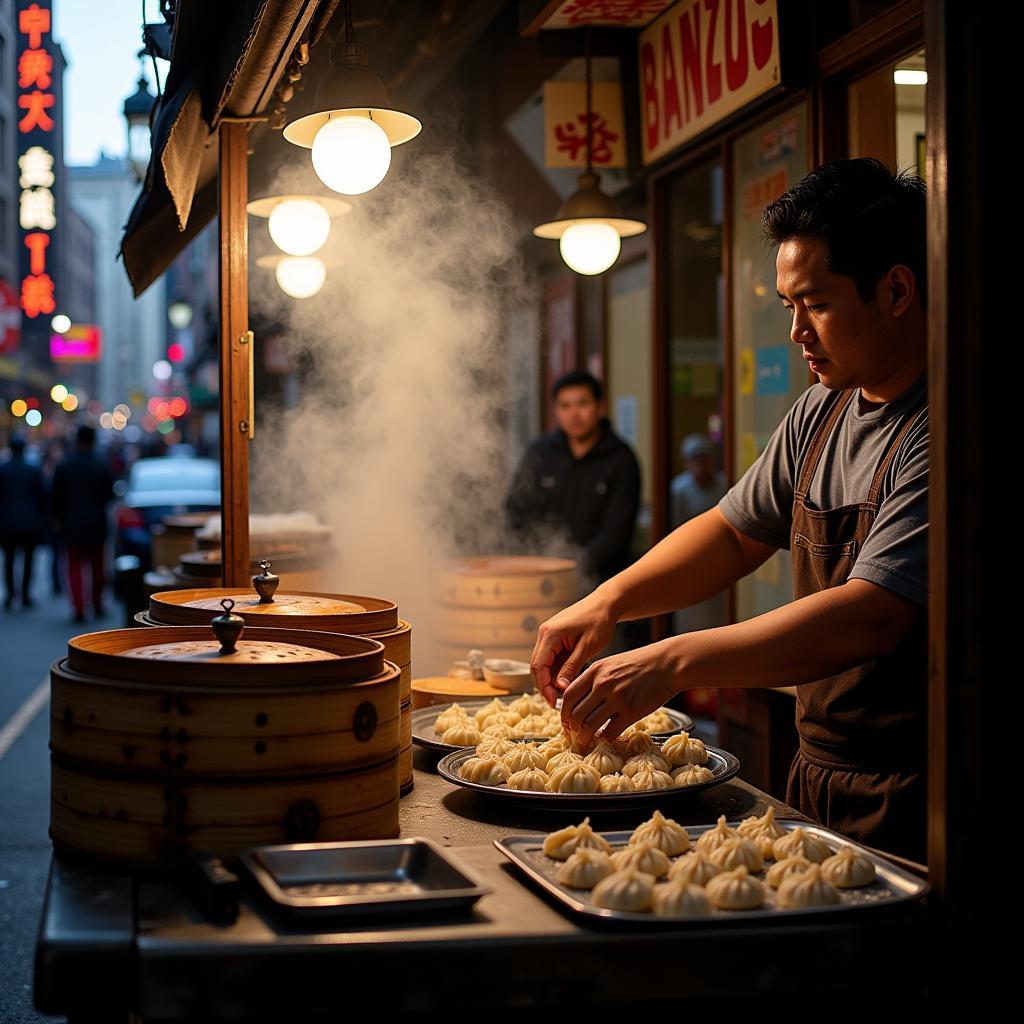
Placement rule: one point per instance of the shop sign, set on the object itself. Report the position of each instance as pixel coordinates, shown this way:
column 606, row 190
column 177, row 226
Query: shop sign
column 10, row 318
column 613, row 13
column 565, row 125
column 81, row 343
column 701, row 61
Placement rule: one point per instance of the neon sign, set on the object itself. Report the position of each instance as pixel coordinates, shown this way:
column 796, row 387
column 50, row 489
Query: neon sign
column 37, row 207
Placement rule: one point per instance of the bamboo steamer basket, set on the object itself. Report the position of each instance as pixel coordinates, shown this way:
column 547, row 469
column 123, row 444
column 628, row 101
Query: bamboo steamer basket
column 497, row 603
column 432, row 690
column 161, row 744
column 298, row 569
column 334, row 613
column 175, row 536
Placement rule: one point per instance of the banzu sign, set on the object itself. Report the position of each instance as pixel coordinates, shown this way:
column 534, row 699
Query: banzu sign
column 701, row 61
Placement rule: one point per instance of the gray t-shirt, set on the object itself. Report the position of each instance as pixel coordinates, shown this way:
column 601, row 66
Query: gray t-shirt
column 895, row 553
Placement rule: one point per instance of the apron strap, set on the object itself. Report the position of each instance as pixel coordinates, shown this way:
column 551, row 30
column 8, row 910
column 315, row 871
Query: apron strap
column 883, row 466
column 813, row 456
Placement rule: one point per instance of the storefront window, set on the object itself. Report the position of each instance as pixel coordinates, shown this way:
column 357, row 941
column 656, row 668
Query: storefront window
column 694, row 288
column 769, row 373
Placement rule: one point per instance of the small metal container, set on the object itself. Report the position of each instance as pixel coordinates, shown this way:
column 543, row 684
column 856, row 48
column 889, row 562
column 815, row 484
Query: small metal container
column 310, row 881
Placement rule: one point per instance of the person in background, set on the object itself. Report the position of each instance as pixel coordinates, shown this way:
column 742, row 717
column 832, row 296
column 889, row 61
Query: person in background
column 698, row 488
column 22, row 513
column 54, row 455
column 82, row 489
column 580, row 478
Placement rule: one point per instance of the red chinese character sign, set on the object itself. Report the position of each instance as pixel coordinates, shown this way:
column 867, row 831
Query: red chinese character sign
column 700, row 62
column 565, row 125
column 10, row 319
column 37, row 207
column 610, row 13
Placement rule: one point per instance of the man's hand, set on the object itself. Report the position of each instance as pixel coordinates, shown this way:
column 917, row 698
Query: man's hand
column 567, row 641
column 619, row 690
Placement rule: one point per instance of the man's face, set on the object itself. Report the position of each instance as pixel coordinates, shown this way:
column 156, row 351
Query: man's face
column 577, row 412
column 847, row 342
column 700, row 467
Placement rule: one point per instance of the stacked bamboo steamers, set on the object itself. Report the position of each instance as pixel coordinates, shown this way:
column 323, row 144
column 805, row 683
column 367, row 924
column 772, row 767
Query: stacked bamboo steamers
column 223, row 729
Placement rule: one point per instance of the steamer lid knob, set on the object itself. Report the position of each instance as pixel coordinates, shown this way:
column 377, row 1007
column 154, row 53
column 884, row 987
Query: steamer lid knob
column 266, row 583
column 227, row 628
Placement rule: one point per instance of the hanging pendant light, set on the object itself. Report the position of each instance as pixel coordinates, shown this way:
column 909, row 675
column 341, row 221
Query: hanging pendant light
column 299, row 225
column 353, row 123
column 299, row 277
column 589, row 226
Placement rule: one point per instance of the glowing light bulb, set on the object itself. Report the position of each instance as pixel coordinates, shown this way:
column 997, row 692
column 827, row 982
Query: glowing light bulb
column 351, row 154
column 300, row 276
column 299, row 226
column 162, row 369
column 33, row 417
column 61, row 323
column 590, row 248
column 58, row 393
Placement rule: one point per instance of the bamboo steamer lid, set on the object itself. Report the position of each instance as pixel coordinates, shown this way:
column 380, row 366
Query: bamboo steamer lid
column 446, row 689
column 508, row 582
column 162, row 740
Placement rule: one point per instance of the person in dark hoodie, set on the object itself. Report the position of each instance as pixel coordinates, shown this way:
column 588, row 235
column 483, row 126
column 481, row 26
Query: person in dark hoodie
column 580, row 478
column 22, row 513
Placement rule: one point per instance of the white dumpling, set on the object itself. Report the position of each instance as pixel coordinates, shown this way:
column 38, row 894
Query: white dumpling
column 534, row 725
column 562, row 844
column 803, row 843
column 616, row 784
column 650, row 759
column 766, row 825
column 462, row 734
column 735, row 890
column 765, row 844
column 556, row 745
column 645, row 857
column 695, row 869
column 450, row 716
column 682, row 749
column 561, row 758
column 494, row 746
column 848, row 869
column 667, row 835
column 634, row 741
column 734, row 853
column 628, row 890
column 807, row 889
column 529, row 778
column 523, row 755
column 585, row 868
column 659, row 721
column 606, row 758
column 574, row 778
column 495, row 707
column 648, row 778
column 692, row 774
column 714, row 837
column 782, row 869
column 678, row 898
column 500, row 729
column 485, row 771
column 504, row 718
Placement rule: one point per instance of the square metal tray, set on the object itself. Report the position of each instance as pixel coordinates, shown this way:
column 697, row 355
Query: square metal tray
column 379, row 878
column 892, row 885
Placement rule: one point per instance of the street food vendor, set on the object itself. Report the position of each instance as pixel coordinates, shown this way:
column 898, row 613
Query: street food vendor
column 842, row 484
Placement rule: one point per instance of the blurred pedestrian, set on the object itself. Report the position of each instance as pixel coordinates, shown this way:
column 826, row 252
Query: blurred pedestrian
column 52, row 458
column 22, row 513
column 82, row 489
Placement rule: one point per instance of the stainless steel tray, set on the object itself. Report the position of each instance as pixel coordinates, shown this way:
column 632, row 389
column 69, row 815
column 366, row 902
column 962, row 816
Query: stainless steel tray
column 721, row 763
column 423, row 719
column 362, row 879
column 893, row 884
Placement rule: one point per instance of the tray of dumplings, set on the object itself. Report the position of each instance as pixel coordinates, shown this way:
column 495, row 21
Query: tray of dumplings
column 634, row 769
column 448, row 727
column 663, row 872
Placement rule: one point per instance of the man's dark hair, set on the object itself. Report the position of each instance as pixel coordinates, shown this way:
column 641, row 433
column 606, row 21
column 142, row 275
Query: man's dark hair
column 578, row 379
column 16, row 443
column 85, row 436
column 869, row 217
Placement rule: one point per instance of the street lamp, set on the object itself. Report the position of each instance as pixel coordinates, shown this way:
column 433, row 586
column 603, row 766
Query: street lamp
column 137, row 109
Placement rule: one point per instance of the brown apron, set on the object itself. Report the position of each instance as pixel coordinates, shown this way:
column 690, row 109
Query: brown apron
column 860, row 766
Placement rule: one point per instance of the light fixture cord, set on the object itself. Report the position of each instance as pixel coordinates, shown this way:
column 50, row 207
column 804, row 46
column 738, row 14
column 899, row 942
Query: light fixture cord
column 590, row 91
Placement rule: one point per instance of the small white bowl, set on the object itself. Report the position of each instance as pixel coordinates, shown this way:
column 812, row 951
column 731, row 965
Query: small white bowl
column 512, row 676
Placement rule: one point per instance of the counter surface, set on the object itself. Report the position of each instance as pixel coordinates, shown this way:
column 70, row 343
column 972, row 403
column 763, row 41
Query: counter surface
column 119, row 944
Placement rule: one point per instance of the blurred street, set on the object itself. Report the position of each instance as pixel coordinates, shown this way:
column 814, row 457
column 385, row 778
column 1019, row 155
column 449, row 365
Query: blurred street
column 29, row 641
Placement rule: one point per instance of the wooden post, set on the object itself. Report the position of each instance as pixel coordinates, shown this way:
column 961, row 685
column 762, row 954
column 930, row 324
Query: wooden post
column 235, row 353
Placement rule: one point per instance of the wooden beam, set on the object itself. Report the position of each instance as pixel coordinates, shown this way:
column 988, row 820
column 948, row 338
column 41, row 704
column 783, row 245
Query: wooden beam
column 235, row 352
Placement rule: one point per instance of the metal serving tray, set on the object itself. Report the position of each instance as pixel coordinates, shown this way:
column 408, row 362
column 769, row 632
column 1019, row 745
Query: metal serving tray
column 362, row 879
column 721, row 763
column 892, row 885
column 423, row 719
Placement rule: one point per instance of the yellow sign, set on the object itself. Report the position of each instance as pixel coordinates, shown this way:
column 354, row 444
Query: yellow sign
column 565, row 125
column 748, row 452
column 746, row 371
column 700, row 62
